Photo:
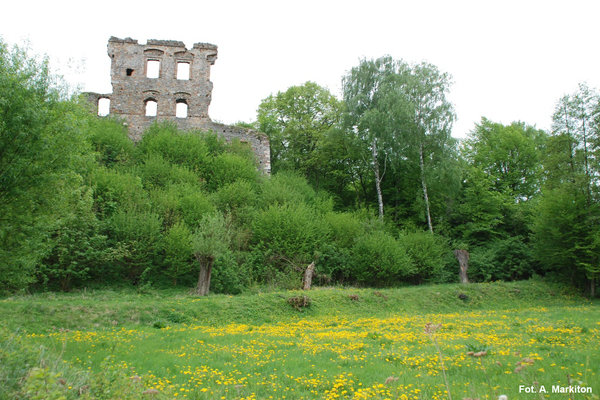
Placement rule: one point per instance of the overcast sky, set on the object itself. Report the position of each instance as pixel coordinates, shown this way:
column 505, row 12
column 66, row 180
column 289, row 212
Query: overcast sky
column 510, row 60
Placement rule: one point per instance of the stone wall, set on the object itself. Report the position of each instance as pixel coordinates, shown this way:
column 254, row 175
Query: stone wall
column 133, row 90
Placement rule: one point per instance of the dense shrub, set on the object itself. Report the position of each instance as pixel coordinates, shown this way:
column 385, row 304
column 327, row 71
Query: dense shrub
column 289, row 236
column 286, row 187
column 155, row 171
column 115, row 190
column 228, row 275
column 227, row 168
column 501, row 259
column 78, row 247
column 181, row 148
column 429, row 254
column 380, row 260
column 138, row 236
column 178, row 254
column 109, row 139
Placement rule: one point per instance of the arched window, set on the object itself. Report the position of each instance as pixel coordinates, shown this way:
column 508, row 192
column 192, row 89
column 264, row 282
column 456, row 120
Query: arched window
column 103, row 106
column 151, row 108
column 181, row 109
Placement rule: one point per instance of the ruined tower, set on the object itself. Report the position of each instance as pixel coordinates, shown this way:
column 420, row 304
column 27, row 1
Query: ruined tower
column 163, row 80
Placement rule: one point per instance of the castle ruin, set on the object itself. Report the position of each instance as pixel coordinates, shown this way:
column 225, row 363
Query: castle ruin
column 162, row 80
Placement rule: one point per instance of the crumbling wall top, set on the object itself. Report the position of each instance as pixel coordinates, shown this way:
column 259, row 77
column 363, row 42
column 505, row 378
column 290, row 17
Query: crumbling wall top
column 172, row 43
column 203, row 46
column 115, row 39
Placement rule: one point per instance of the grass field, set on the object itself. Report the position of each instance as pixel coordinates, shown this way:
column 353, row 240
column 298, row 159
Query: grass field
column 347, row 344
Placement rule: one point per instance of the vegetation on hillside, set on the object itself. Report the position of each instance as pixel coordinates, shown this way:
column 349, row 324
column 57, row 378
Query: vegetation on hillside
column 372, row 188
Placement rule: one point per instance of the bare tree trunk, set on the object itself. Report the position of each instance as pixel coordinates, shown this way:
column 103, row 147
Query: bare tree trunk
column 424, row 184
column 463, row 260
column 593, row 287
column 377, row 178
column 204, row 276
column 308, row 275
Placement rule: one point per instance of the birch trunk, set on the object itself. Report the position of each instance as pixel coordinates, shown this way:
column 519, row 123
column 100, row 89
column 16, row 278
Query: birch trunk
column 424, row 184
column 377, row 178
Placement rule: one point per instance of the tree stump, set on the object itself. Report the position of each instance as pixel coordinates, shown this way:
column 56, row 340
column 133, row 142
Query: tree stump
column 308, row 275
column 463, row 260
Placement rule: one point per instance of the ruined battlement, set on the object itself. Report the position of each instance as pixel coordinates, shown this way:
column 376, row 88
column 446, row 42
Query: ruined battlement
column 162, row 80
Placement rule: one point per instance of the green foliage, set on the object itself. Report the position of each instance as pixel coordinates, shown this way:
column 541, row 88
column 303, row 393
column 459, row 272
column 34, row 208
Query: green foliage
column 509, row 155
column 288, row 236
column 502, row 259
column 286, row 187
column 184, row 149
column 115, row 190
column 78, row 247
column 235, row 195
column 43, row 157
column 428, row 253
column 229, row 276
column 138, row 235
column 381, row 260
column 41, row 384
column 156, row 172
column 177, row 247
column 211, row 239
column 109, row 138
column 228, row 168
column 345, row 228
column 296, row 121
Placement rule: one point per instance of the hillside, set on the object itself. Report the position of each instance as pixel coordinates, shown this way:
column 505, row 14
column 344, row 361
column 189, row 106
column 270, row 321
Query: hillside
column 349, row 343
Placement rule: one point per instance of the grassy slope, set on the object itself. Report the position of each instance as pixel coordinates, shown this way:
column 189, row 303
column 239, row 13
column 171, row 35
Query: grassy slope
column 322, row 351
column 106, row 308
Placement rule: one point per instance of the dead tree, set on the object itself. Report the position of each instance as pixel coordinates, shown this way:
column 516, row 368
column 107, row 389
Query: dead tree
column 308, row 276
column 206, row 264
column 463, row 260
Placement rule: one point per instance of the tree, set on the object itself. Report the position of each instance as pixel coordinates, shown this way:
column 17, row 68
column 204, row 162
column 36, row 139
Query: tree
column 399, row 112
column 44, row 158
column 567, row 232
column 510, row 155
column 296, row 121
column 209, row 241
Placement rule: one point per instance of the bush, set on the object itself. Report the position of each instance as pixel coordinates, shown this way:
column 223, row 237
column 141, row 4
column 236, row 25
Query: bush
column 177, row 247
column 157, row 172
column 109, row 138
column 428, row 253
column 138, row 236
column 380, row 260
column 114, row 190
column 345, row 228
column 227, row 276
column 181, row 202
column 286, row 187
column 77, row 248
column 181, row 148
column 234, row 196
column 501, row 259
column 227, row 168
column 292, row 233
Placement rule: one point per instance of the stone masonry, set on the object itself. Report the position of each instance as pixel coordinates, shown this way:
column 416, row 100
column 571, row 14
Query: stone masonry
column 136, row 93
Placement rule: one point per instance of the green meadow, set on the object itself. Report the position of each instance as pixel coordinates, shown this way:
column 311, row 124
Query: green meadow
column 342, row 343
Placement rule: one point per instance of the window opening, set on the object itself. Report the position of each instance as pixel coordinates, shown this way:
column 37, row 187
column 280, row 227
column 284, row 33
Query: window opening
column 183, row 71
column 181, row 109
column 153, row 69
column 103, row 106
column 151, row 108
column 129, row 71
